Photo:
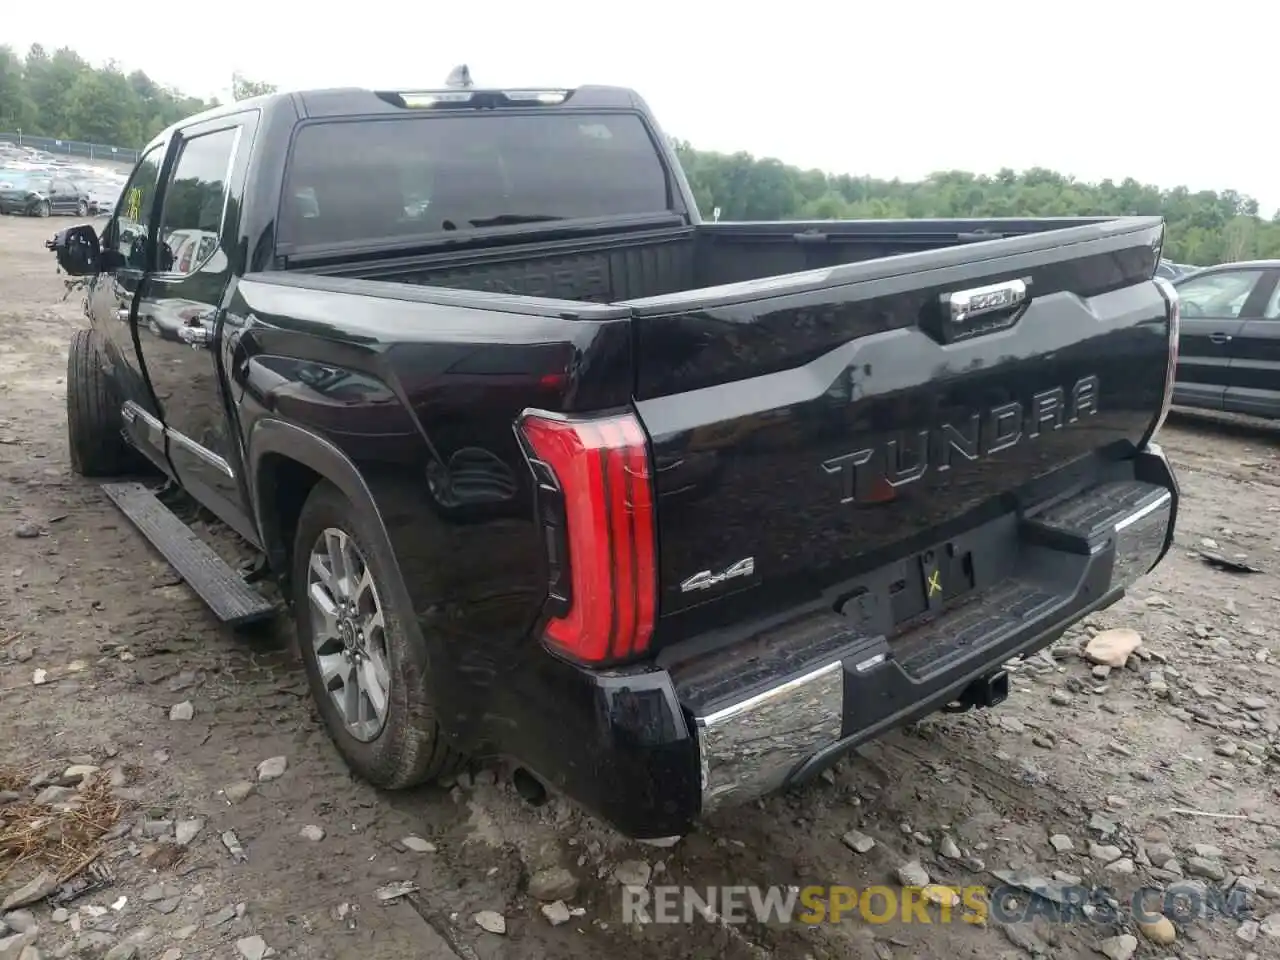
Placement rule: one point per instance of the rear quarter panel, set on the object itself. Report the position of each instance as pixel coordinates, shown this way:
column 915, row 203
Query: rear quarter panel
column 421, row 398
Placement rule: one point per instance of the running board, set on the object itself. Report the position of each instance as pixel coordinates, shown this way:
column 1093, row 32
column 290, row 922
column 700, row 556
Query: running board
column 231, row 599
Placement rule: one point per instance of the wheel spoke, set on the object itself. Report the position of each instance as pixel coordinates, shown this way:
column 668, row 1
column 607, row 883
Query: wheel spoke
column 352, row 568
column 332, row 671
column 335, row 544
column 373, row 683
column 351, row 694
column 364, row 588
column 373, row 623
column 321, row 567
column 324, row 617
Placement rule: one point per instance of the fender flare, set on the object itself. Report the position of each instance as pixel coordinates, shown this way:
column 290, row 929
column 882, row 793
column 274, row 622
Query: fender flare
column 322, row 456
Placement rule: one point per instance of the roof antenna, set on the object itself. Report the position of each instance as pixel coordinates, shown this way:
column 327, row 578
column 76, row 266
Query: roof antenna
column 459, row 76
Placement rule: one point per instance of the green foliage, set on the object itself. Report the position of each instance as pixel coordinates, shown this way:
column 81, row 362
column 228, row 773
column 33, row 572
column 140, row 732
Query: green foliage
column 1205, row 227
column 61, row 95
column 242, row 88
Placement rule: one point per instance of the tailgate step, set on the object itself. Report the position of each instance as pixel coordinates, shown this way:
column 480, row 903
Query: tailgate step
column 1082, row 523
column 222, row 588
column 983, row 621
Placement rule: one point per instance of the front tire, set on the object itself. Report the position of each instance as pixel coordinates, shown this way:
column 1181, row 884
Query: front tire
column 97, row 447
column 82, row 209
column 42, row 209
column 366, row 668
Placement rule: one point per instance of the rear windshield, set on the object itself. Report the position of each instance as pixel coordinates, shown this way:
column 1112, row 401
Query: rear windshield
column 371, row 180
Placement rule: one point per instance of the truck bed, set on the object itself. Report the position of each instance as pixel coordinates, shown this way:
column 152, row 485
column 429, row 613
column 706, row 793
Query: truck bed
column 650, row 263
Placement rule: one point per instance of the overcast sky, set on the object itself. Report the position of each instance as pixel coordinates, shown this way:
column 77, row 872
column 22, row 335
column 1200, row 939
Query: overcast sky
column 1166, row 93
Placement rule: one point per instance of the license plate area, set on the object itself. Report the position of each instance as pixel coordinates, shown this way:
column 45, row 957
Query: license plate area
column 932, row 581
column 904, row 594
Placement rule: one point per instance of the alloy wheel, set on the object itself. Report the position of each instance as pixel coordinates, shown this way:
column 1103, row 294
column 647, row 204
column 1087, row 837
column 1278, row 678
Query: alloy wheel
column 348, row 633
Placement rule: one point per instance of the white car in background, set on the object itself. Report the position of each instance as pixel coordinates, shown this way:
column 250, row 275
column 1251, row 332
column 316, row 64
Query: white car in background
column 191, row 248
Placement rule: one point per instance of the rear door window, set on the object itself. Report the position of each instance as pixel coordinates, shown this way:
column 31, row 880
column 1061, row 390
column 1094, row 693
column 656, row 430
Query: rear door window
column 196, row 201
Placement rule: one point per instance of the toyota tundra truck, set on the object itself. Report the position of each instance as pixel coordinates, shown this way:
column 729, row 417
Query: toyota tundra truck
column 672, row 513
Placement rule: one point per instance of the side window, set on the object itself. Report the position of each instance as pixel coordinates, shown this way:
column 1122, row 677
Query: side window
column 1218, row 295
column 196, row 200
column 1272, row 310
column 126, row 233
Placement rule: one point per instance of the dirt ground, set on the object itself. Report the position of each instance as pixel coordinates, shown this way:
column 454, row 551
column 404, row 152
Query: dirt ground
column 87, row 607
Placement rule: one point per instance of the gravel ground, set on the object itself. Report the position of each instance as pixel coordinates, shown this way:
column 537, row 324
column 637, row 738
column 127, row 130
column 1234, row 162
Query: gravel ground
column 1079, row 776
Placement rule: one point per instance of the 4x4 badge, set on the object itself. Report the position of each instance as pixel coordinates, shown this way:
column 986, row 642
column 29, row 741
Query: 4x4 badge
column 706, row 579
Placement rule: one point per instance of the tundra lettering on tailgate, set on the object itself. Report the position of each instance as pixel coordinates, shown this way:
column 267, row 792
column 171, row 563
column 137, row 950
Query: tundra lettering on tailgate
column 871, row 474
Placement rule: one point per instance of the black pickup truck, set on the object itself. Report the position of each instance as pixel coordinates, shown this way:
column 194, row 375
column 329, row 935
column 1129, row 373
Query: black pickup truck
column 674, row 513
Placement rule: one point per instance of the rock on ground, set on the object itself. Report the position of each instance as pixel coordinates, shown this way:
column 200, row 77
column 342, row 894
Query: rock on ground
column 553, row 883
column 633, row 873
column 253, row 948
column 858, row 842
column 31, row 892
column 1119, row 948
column 913, row 874
column 491, row 921
column 272, row 768
column 1112, row 648
column 556, row 913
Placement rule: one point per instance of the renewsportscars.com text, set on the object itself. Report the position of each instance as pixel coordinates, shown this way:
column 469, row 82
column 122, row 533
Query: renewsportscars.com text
column 933, row 904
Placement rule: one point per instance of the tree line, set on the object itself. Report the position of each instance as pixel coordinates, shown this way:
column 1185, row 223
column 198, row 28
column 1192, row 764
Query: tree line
column 61, row 95
column 1204, row 226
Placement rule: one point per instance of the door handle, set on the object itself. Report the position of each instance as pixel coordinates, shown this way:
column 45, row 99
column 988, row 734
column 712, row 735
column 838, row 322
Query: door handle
column 1219, row 337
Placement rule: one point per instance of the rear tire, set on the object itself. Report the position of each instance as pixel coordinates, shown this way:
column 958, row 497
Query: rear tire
column 98, row 449
column 369, row 647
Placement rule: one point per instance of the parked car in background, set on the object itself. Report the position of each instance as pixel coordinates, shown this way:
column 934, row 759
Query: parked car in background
column 191, row 248
column 41, row 196
column 1171, row 271
column 1230, row 351
column 103, row 196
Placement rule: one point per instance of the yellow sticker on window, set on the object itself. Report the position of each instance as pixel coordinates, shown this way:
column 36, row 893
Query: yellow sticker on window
column 133, row 205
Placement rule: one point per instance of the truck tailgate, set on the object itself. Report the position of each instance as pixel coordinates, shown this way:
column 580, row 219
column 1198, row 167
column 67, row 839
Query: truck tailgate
column 811, row 428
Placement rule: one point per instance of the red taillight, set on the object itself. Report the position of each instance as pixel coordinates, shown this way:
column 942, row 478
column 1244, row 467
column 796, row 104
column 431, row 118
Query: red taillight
column 1174, row 308
column 603, row 495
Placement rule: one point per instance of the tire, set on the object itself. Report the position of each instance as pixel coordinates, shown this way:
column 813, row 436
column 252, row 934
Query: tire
column 93, row 413
column 82, row 209
column 404, row 747
column 42, row 209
